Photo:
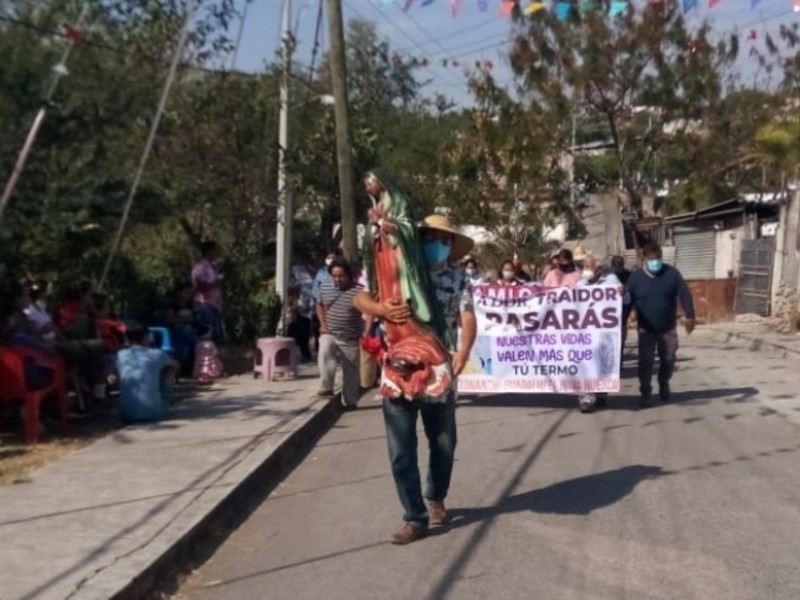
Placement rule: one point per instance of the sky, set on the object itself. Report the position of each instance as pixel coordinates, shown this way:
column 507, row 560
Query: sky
column 431, row 32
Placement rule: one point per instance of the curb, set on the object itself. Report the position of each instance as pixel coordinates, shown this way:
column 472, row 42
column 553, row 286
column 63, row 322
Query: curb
column 163, row 576
column 754, row 343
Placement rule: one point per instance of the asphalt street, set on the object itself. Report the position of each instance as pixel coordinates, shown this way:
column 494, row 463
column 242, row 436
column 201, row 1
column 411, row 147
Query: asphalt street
column 696, row 499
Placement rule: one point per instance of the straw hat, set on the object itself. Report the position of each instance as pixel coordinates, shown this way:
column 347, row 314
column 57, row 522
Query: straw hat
column 579, row 253
column 462, row 245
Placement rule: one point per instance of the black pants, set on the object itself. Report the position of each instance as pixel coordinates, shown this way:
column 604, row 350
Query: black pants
column 667, row 346
column 300, row 330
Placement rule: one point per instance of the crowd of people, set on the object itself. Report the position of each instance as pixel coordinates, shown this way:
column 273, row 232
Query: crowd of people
column 653, row 291
column 336, row 309
column 103, row 352
column 344, row 310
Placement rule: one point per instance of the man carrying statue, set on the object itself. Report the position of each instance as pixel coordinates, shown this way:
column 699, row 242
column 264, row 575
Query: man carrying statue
column 423, row 302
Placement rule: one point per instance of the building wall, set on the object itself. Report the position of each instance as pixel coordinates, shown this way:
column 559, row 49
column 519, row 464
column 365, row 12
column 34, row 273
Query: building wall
column 728, row 251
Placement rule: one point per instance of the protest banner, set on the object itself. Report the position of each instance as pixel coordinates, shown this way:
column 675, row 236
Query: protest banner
column 537, row 340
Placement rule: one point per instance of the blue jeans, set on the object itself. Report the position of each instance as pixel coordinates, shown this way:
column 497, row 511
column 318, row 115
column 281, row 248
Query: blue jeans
column 439, row 422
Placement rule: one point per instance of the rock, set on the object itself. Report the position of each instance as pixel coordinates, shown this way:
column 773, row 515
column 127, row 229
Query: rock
column 749, row 318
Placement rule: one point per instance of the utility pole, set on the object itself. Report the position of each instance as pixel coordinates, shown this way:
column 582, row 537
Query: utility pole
column 283, row 255
column 344, row 147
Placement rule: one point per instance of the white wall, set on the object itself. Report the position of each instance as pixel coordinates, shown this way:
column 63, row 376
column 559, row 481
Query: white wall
column 729, row 248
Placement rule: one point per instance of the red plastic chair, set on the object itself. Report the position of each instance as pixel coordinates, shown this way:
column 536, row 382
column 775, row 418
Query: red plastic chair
column 13, row 386
column 112, row 334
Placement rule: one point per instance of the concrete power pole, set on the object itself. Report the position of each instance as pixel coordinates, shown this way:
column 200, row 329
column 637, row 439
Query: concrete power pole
column 283, row 247
column 344, row 147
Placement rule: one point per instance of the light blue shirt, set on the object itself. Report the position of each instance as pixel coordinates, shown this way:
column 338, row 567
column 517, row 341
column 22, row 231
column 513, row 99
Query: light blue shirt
column 323, row 276
column 140, row 371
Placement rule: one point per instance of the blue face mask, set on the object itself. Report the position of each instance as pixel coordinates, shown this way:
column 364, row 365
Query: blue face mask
column 436, row 252
column 654, row 265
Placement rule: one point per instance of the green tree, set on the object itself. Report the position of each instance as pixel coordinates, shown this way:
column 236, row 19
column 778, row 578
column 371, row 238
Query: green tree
column 644, row 75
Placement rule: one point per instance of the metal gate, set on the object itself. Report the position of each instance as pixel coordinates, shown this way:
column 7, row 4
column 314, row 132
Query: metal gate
column 755, row 277
column 695, row 252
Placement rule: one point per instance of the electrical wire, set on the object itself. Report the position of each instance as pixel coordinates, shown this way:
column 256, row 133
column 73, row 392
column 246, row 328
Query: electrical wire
column 415, row 43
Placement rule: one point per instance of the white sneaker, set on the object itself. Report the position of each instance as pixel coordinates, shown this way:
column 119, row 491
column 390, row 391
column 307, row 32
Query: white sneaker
column 586, row 403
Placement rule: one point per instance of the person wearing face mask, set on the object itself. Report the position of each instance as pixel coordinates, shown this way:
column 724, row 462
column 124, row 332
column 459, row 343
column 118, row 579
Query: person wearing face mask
column 507, row 276
column 566, row 275
column 593, row 273
column 324, row 274
column 655, row 291
column 471, row 271
column 442, row 247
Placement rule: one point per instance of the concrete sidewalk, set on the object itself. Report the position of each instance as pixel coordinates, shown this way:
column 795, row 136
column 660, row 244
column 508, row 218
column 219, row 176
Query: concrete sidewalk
column 112, row 519
column 756, row 337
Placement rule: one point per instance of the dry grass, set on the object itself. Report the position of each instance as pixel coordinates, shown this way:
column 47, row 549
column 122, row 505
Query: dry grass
column 18, row 460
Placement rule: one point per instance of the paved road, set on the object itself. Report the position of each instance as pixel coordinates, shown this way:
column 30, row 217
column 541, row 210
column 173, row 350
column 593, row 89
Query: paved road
column 699, row 499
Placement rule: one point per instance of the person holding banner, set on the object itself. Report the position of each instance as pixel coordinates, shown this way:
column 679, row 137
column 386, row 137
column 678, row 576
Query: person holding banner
column 471, row 270
column 442, row 247
column 595, row 274
column 566, row 274
column 507, row 276
column 655, row 290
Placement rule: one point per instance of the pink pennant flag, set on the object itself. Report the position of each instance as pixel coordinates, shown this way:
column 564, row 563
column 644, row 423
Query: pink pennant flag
column 455, row 7
column 507, row 7
column 796, row 5
column 713, row 3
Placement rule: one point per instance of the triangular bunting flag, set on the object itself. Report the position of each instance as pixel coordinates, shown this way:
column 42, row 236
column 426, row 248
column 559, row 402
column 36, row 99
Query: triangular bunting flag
column 753, row 35
column 562, row 11
column 455, row 7
column 507, row 7
column 689, row 5
column 534, row 7
column 713, row 3
column 796, row 6
column 617, row 8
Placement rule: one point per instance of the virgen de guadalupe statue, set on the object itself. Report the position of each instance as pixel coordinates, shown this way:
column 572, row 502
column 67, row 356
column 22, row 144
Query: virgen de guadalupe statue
column 415, row 359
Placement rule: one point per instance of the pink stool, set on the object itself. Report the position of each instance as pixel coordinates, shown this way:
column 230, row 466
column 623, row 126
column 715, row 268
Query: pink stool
column 275, row 356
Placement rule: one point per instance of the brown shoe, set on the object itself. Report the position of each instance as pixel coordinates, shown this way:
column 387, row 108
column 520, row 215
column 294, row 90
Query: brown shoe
column 437, row 513
column 410, row 532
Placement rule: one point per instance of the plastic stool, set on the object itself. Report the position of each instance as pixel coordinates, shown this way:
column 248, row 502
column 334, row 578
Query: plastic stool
column 160, row 338
column 275, row 356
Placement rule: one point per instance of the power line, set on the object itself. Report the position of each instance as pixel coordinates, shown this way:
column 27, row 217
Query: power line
column 415, row 43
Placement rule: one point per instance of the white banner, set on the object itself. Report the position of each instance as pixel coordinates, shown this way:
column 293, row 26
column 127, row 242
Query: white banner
column 537, row 340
